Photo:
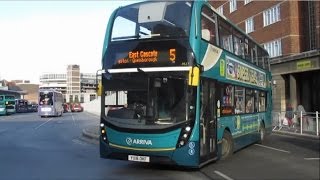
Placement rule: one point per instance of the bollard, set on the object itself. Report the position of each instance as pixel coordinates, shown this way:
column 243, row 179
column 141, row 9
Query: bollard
column 279, row 120
column 317, row 122
column 300, row 122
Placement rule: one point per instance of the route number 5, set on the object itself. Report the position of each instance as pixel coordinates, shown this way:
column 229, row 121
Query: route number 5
column 172, row 53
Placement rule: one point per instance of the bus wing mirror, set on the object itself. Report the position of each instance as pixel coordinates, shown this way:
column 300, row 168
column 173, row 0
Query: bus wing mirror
column 194, row 76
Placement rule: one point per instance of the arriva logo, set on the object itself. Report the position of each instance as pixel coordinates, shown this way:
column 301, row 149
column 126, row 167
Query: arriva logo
column 130, row 141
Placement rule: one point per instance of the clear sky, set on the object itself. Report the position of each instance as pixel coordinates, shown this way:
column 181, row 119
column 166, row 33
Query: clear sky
column 45, row 36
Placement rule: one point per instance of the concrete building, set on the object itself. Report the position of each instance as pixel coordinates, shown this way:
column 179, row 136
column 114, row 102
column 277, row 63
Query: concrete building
column 290, row 32
column 54, row 81
column 75, row 86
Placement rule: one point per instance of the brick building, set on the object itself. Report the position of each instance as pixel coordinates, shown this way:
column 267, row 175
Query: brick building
column 290, row 32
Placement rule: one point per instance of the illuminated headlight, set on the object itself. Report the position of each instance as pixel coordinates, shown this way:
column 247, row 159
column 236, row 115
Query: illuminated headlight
column 103, row 131
column 184, row 135
column 104, row 138
column 101, row 125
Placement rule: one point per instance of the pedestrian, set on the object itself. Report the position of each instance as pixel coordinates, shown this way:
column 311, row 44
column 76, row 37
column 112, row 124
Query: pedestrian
column 289, row 114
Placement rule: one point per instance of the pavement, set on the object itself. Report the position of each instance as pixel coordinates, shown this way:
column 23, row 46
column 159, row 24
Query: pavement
column 92, row 132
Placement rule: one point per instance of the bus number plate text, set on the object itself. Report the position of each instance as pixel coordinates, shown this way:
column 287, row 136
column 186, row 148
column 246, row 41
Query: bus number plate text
column 139, row 158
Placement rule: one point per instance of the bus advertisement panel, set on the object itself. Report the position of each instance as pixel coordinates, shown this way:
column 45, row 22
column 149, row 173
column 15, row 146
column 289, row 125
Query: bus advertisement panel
column 195, row 87
column 50, row 103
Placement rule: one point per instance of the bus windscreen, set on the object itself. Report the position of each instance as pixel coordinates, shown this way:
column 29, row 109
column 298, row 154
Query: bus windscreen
column 46, row 98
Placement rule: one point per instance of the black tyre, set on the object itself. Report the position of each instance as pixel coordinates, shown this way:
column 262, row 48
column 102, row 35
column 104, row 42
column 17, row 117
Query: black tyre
column 262, row 132
column 227, row 145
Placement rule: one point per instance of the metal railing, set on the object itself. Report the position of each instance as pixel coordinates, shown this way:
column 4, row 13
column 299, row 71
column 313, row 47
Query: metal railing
column 300, row 122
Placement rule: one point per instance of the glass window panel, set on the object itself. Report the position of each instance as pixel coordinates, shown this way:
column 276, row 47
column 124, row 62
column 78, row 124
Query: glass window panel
column 239, row 100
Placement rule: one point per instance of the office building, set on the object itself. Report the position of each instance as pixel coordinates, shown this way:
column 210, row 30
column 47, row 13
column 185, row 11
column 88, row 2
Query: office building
column 75, row 86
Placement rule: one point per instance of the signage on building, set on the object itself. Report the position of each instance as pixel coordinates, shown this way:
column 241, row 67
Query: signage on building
column 304, row 64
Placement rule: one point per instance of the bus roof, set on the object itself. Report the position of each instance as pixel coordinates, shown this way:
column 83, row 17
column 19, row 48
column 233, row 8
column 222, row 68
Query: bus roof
column 206, row 2
column 49, row 90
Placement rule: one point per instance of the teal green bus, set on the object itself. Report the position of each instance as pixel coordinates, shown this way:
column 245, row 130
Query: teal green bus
column 188, row 86
column 7, row 104
column 2, row 106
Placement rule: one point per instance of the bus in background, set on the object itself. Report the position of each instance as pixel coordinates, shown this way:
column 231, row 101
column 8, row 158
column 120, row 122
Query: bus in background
column 3, row 110
column 197, row 87
column 10, row 104
column 50, row 103
column 21, row 105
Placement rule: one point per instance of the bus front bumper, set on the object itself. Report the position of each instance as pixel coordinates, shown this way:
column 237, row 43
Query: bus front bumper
column 178, row 157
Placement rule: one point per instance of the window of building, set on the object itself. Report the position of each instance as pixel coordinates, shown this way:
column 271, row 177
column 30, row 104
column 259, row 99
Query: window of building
column 271, row 15
column 249, row 25
column 233, row 5
column 220, row 10
column 247, row 1
column 274, row 48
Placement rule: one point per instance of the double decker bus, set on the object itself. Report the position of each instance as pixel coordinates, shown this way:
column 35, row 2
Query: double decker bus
column 3, row 110
column 50, row 103
column 197, row 88
column 7, row 104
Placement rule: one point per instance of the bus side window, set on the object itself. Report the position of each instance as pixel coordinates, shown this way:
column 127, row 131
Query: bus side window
column 238, row 43
column 225, row 35
column 227, row 99
column 249, row 101
column 262, row 102
column 239, row 100
column 256, row 101
column 208, row 25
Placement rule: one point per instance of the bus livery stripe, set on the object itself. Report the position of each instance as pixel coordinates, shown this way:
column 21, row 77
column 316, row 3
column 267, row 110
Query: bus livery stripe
column 142, row 149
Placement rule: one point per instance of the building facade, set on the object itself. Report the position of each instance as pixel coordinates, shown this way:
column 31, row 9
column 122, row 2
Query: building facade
column 54, row 81
column 75, row 86
column 289, row 31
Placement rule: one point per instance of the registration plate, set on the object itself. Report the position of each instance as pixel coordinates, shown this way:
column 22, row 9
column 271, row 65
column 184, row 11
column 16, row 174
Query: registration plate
column 139, row 158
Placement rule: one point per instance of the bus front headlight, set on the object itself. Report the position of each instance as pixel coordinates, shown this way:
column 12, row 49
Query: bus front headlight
column 184, row 135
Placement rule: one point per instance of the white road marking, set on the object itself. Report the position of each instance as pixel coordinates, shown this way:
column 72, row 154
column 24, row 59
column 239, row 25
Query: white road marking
column 74, row 121
column 77, row 141
column 311, row 158
column 223, row 175
column 272, row 148
column 43, row 124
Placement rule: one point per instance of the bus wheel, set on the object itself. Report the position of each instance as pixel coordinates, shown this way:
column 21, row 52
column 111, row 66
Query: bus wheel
column 227, row 145
column 262, row 133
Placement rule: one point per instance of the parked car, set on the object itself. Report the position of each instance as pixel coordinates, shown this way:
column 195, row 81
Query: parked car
column 76, row 107
column 32, row 107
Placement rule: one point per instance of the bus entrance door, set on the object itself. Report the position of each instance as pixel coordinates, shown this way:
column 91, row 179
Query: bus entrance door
column 208, row 121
